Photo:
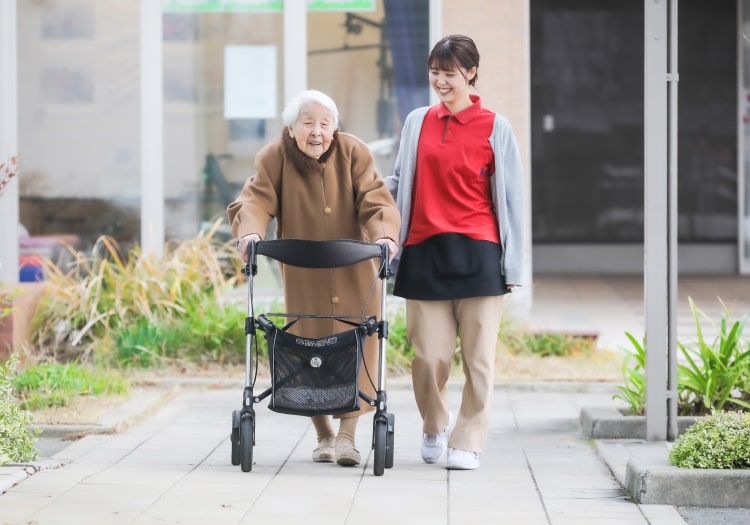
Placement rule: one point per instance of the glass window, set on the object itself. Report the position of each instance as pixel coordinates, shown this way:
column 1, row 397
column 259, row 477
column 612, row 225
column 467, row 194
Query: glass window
column 587, row 121
column 78, row 114
column 222, row 76
column 372, row 63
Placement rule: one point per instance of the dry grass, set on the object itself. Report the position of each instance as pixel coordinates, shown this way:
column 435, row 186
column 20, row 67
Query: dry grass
column 599, row 365
column 84, row 410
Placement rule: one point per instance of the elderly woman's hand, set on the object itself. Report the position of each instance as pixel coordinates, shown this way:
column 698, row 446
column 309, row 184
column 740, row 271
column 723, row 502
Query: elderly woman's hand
column 392, row 247
column 242, row 243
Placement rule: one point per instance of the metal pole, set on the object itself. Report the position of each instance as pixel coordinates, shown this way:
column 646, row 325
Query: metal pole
column 295, row 48
column 9, row 140
column 152, row 130
column 656, row 216
column 673, row 79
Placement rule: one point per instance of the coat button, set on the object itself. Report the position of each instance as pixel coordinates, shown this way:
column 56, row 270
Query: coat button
column 335, row 300
column 327, row 210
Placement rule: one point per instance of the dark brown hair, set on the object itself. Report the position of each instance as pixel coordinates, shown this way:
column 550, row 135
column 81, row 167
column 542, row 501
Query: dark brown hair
column 454, row 51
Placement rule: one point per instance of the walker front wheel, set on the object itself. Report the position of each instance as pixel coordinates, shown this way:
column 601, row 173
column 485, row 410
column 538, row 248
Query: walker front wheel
column 247, row 429
column 379, row 444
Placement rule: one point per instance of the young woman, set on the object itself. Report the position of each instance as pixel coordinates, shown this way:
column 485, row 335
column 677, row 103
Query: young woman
column 321, row 184
column 458, row 182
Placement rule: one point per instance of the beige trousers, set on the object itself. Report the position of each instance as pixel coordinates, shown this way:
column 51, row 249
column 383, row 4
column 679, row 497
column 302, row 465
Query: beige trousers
column 432, row 328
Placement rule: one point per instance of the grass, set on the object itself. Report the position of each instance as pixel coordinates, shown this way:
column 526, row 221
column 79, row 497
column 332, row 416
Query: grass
column 54, row 385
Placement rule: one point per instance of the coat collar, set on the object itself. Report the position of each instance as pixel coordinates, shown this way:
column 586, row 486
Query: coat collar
column 302, row 162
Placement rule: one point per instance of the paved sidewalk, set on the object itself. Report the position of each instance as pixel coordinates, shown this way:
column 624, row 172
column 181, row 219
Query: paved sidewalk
column 173, row 467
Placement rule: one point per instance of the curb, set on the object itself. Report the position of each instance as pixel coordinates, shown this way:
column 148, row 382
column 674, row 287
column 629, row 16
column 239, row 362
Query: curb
column 643, row 469
column 607, row 422
column 11, row 474
column 652, row 482
column 143, row 402
column 137, row 406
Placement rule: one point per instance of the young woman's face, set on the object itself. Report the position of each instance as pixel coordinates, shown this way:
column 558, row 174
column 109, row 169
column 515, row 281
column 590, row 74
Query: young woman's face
column 313, row 130
column 451, row 85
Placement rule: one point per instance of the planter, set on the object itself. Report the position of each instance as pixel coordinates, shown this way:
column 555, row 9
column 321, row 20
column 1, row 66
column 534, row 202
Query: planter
column 643, row 469
column 15, row 329
column 610, row 423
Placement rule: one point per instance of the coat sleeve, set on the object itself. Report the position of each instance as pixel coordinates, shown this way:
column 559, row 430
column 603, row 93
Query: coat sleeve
column 258, row 203
column 376, row 209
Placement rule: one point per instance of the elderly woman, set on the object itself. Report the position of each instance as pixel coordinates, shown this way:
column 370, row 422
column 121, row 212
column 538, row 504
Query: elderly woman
column 321, row 184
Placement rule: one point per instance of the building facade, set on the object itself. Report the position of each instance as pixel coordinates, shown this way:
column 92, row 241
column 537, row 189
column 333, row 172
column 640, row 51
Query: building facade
column 568, row 74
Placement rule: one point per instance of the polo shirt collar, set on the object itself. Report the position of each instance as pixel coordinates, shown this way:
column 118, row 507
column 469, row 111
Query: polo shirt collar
column 466, row 114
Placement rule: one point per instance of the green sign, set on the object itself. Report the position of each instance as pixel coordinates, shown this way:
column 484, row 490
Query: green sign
column 261, row 6
column 341, row 5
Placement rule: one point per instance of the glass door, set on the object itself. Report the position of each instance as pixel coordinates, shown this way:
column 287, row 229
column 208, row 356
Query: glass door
column 370, row 57
column 223, row 79
column 743, row 180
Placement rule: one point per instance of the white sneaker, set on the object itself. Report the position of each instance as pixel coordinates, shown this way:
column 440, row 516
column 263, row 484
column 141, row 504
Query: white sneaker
column 433, row 447
column 462, row 460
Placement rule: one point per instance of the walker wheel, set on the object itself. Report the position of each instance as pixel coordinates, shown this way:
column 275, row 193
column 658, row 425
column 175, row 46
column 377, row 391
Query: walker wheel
column 389, row 441
column 247, row 439
column 235, row 437
column 379, row 444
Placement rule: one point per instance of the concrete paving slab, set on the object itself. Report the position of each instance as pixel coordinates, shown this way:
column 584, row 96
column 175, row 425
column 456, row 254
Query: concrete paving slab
column 538, row 469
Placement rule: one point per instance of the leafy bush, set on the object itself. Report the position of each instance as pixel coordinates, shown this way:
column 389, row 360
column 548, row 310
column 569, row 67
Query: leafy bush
column 17, row 439
column 399, row 351
column 715, row 374
column 715, row 370
column 719, row 441
column 633, row 392
column 54, row 385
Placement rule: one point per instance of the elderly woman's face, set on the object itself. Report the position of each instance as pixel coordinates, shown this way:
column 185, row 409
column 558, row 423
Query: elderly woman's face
column 313, row 130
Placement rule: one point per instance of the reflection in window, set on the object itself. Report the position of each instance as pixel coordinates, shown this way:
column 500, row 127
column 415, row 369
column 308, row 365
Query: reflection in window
column 180, row 86
column 245, row 129
column 180, row 27
column 67, row 85
column 68, row 22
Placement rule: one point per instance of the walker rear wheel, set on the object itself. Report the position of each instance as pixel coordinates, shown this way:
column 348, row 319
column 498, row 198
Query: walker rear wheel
column 235, row 437
column 389, row 441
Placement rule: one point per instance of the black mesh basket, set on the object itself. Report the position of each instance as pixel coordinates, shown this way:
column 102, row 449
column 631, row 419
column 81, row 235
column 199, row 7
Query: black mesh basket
column 314, row 376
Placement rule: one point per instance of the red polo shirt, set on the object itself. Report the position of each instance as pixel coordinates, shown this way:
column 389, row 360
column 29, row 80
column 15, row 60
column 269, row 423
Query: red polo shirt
column 452, row 184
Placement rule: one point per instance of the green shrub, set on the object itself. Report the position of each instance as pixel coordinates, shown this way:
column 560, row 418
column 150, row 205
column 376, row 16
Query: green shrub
column 719, row 441
column 714, row 374
column 399, row 351
column 716, row 370
column 17, row 439
column 633, row 391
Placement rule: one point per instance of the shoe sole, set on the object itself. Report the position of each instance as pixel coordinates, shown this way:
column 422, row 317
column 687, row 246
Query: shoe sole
column 456, row 467
column 324, row 457
column 348, row 462
column 430, row 461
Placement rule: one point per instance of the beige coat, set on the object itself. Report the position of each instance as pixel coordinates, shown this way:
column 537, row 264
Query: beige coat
column 339, row 197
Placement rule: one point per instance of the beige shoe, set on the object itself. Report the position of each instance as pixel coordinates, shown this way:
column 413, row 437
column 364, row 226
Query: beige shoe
column 346, row 454
column 326, row 451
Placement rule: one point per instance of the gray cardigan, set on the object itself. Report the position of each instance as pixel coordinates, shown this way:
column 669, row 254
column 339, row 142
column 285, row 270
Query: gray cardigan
column 507, row 187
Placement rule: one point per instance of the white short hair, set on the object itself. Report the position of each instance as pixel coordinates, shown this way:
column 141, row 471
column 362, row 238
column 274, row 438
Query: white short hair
column 291, row 113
